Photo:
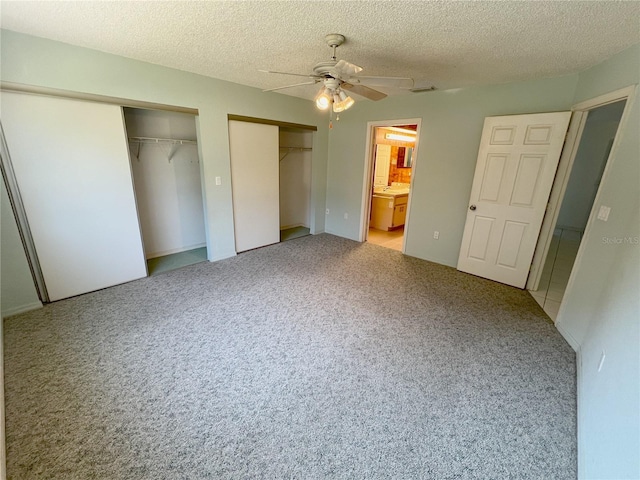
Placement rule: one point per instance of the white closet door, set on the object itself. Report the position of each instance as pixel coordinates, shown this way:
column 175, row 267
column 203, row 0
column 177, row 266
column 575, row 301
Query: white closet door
column 255, row 182
column 72, row 167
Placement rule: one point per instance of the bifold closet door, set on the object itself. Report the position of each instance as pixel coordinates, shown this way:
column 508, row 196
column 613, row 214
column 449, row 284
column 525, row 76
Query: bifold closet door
column 72, row 168
column 255, row 181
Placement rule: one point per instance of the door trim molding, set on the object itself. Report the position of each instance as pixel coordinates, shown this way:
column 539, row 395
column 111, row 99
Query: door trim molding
column 628, row 94
column 20, row 214
column 266, row 121
column 367, row 182
column 92, row 97
column 576, row 126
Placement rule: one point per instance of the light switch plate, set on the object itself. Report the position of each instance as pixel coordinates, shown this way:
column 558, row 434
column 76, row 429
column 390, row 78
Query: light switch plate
column 603, row 213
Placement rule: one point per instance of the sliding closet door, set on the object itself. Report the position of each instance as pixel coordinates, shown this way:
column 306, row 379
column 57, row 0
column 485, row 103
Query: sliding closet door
column 255, row 182
column 72, row 168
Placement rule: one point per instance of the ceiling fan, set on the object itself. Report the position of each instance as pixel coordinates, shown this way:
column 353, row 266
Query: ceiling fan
column 337, row 76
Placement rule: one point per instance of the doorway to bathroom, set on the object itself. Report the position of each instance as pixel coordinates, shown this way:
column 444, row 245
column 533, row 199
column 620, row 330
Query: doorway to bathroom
column 390, row 163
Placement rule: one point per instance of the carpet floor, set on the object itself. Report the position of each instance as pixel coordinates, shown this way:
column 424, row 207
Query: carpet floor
column 319, row 358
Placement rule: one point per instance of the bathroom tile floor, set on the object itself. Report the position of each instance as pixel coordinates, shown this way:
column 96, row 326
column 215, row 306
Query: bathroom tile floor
column 392, row 239
column 556, row 271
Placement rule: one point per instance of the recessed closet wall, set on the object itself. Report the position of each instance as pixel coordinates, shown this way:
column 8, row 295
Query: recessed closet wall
column 166, row 173
column 295, row 178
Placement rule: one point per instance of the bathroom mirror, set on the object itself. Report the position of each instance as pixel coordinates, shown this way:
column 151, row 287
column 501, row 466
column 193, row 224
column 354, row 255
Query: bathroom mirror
column 405, row 157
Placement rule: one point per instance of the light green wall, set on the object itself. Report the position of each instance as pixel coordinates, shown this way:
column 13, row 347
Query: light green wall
column 449, row 137
column 601, row 312
column 44, row 63
column 18, row 292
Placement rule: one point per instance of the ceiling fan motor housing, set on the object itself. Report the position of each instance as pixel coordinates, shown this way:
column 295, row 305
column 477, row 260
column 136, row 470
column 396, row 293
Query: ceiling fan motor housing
column 323, row 69
column 332, row 83
column 334, row 39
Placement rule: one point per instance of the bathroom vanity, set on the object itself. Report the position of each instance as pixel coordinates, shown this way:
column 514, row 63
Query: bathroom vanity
column 388, row 208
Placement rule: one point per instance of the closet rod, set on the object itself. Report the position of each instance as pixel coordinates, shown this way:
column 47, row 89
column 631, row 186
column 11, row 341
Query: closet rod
column 291, row 149
column 161, row 141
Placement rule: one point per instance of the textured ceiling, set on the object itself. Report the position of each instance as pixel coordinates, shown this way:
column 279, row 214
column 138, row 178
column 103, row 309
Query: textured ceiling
column 441, row 43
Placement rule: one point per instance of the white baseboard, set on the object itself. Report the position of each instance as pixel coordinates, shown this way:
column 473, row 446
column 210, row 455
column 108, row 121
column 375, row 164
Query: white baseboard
column 21, row 309
column 568, row 337
column 224, row 256
column 174, row 250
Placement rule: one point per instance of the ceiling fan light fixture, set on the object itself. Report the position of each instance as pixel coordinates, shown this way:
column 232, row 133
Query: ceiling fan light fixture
column 337, row 106
column 343, row 102
column 323, row 99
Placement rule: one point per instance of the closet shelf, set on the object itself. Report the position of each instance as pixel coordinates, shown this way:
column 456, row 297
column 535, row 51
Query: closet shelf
column 292, row 149
column 174, row 142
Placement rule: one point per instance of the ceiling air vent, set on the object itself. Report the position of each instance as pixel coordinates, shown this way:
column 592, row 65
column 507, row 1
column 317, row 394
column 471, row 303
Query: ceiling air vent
column 422, row 89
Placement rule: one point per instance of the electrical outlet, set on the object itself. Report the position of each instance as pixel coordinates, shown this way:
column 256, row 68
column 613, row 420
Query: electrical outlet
column 436, row 235
column 346, row 215
column 327, row 211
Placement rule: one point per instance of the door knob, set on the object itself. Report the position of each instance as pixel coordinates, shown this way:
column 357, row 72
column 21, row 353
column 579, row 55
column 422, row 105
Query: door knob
column 472, row 207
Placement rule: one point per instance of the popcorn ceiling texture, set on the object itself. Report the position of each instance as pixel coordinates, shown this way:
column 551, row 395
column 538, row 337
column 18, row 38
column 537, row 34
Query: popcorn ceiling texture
column 448, row 44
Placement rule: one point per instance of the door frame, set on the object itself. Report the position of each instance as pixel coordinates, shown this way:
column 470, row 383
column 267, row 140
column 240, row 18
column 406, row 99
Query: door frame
column 367, row 182
column 569, row 152
column 22, row 223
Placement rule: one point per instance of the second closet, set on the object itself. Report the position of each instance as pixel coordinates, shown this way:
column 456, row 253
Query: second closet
column 271, row 182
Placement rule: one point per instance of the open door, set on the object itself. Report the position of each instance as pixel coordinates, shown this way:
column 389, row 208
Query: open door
column 517, row 163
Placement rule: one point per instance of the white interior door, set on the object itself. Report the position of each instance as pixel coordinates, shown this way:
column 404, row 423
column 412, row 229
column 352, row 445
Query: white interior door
column 72, row 168
column 255, row 182
column 382, row 165
column 517, row 163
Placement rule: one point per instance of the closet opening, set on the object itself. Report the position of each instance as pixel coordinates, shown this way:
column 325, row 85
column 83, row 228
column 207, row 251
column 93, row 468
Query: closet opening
column 166, row 171
column 295, row 146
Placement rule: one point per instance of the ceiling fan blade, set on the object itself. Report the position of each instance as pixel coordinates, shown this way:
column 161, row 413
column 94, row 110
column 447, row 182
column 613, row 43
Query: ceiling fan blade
column 288, row 73
column 291, row 86
column 346, row 69
column 393, row 82
column 366, row 92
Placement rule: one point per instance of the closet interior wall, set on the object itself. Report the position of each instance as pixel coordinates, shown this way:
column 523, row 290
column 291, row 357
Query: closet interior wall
column 295, row 177
column 167, row 180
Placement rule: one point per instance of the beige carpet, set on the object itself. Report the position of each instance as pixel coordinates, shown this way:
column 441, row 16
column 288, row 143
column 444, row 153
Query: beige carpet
column 319, row 358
